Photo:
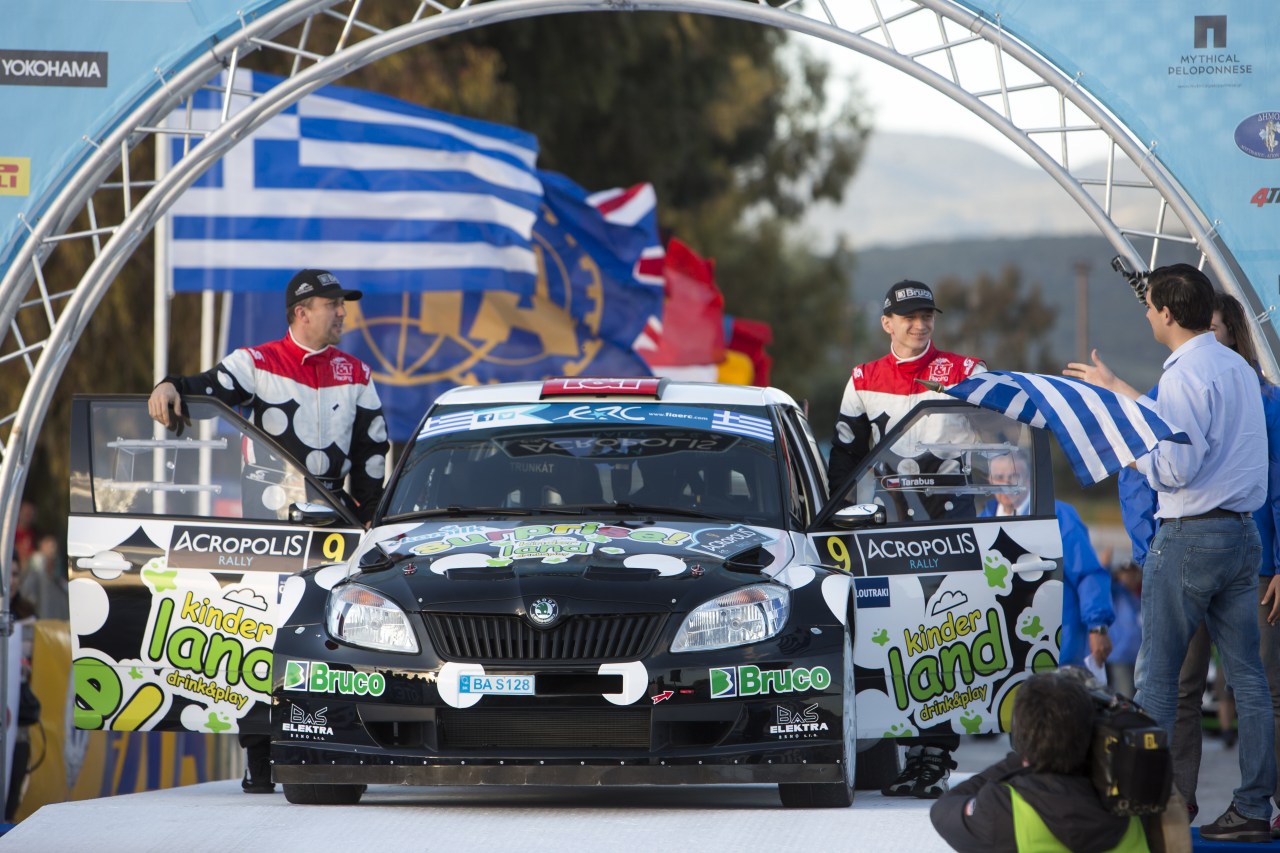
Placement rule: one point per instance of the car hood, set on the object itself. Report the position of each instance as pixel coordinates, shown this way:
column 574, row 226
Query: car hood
column 586, row 566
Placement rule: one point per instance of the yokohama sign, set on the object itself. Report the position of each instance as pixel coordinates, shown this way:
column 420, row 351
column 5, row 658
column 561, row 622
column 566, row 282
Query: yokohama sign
column 53, row 68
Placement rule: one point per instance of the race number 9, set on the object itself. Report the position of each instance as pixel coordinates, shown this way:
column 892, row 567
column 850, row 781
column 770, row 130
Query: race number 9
column 334, row 547
column 331, row 547
column 839, row 552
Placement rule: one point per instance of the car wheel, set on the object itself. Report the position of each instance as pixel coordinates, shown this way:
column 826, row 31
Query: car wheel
column 878, row 765
column 308, row 794
column 832, row 795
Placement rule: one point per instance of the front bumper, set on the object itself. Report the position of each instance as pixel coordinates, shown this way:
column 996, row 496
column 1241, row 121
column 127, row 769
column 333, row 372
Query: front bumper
column 327, row 770
column 705, row 719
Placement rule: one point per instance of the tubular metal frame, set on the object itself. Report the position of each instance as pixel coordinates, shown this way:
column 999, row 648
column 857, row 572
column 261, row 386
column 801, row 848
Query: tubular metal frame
column 968, row 58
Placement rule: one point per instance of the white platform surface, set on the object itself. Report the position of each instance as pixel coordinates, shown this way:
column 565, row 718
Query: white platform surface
column 216, row 816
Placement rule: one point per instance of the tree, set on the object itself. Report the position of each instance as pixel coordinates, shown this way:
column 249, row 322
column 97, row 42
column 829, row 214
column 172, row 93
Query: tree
column 998, row 321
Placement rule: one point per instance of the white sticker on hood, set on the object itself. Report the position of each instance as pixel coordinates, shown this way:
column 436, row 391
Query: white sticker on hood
column 664, row 564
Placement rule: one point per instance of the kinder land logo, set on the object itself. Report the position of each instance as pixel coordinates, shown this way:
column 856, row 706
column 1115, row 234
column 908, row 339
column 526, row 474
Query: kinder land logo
column 317, row 677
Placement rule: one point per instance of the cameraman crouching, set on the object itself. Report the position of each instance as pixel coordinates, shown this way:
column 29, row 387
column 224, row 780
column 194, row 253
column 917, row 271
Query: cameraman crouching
column 1040, row 797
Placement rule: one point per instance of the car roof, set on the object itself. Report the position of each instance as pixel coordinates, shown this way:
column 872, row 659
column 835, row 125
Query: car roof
column 671, row 391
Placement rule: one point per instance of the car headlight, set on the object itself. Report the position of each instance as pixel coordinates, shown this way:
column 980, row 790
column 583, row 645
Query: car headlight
column 357, row 615
column 746, row 615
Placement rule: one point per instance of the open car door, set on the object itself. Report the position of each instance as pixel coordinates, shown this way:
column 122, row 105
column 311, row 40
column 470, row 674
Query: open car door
column 954, row 604
column 178, row 547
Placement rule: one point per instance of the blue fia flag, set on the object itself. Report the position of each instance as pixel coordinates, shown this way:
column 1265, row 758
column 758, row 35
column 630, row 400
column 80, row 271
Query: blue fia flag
column 388, row 195
column 1099, row 431
column 595, row 296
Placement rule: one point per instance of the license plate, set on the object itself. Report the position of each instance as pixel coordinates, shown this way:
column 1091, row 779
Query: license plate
column 501, row 685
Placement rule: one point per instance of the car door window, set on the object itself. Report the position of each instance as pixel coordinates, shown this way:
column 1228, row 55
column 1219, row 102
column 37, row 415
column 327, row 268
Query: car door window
column 211, row 470
column 939, row 467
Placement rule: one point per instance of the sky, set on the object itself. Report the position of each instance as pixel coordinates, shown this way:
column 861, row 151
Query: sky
column 900, row 103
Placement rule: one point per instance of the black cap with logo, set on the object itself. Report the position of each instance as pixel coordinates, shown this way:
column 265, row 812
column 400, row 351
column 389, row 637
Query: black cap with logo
column 309, row 283
column 907, row 296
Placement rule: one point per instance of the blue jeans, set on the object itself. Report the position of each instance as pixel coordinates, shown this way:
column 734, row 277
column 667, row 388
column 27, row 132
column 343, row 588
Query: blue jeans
column 1206, row 571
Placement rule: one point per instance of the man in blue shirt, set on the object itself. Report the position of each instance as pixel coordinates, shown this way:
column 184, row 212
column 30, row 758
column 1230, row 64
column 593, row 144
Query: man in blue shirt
column 1086, row 592
column 1203, row 561
column 1230, row 327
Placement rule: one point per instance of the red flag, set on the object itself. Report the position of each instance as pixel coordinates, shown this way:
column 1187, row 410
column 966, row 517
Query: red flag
column 693, row 313
column 750, row 337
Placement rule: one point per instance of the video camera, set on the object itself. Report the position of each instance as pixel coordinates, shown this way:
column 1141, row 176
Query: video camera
column 1129, row 759
column 1137, row 280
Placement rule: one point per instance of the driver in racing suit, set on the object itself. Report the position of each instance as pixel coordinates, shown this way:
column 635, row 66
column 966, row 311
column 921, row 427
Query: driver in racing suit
column 317, row 401
column 877, row 397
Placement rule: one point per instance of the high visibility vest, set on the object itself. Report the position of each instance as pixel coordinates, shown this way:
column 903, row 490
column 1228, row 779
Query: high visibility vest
column 1034, row 837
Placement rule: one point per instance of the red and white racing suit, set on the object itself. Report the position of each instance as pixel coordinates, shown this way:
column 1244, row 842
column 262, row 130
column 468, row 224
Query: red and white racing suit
column 881, row 393
column 320, row 405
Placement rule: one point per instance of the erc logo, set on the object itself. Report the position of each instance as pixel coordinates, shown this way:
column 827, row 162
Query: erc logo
column 317, row 677
column 750, row 680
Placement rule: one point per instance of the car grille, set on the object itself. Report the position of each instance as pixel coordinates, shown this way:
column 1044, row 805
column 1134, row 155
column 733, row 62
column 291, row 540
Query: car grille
column 498, row 637
column 550, row 728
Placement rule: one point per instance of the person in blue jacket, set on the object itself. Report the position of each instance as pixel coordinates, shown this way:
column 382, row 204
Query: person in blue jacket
column 1086, row 590
column 1137, row 507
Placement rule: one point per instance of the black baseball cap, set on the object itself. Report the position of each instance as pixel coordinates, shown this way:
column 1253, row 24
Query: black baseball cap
column 309, row 283
column 907, row 296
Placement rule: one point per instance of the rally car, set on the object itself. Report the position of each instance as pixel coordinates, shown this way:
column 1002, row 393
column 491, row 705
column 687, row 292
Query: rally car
column 578, row 581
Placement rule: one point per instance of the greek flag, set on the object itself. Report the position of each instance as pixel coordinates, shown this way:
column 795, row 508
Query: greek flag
column 748, row 425
column 390, row 196
column 442, row 424
column 1100, row 431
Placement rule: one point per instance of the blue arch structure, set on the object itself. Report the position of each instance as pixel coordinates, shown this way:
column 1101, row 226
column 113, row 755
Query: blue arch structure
column 1188, row 104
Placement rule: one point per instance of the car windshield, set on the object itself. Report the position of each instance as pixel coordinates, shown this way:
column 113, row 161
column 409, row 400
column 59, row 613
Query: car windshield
column 694, row 461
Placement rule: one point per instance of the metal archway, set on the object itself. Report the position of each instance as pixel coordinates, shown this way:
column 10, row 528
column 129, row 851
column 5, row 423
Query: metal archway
column 1005, row 83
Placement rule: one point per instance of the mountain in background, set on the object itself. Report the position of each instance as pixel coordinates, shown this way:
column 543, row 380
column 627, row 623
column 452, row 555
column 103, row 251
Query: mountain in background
column 912, row 189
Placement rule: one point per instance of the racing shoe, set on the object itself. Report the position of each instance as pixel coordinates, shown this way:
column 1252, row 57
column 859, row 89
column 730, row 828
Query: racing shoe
column 257, row 776
column 925, row 775
column 1233, row 826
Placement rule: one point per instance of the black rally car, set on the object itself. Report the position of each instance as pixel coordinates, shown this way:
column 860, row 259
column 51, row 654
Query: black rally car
column 582, row 581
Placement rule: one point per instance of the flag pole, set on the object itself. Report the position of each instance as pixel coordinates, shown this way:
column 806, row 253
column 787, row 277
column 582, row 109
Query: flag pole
column 161, row 288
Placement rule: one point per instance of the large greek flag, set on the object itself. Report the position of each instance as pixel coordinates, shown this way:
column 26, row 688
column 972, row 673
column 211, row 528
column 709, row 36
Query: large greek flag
column 390, row 196
column 1100, row 431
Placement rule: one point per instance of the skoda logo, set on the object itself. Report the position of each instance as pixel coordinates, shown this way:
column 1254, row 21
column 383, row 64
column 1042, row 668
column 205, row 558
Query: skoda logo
column 544, row 612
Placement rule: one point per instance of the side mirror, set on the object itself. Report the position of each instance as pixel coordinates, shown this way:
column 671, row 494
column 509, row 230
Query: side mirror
column 858, row 516
column 312, row 515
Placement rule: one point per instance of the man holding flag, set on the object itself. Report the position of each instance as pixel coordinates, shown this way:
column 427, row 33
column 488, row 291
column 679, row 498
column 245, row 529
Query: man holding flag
column 1206, row 552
